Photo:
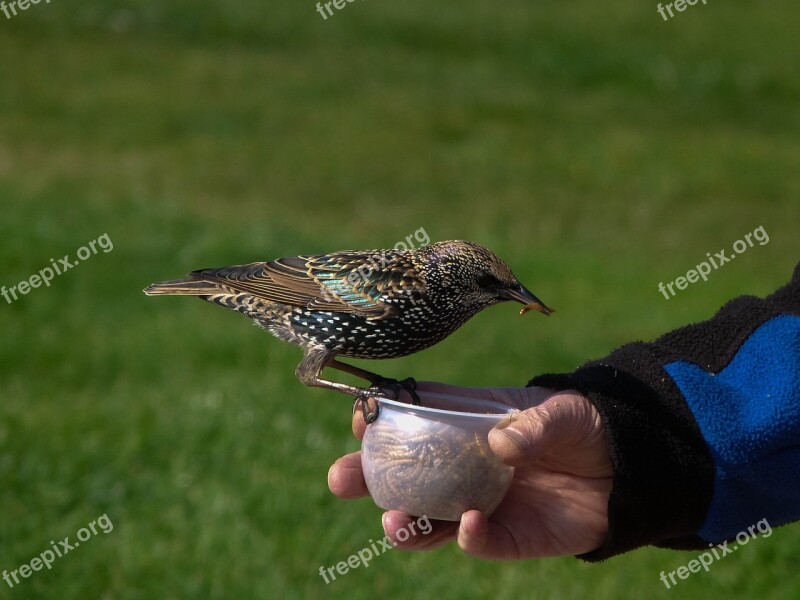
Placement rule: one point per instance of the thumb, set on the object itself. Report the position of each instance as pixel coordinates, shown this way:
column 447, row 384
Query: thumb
column 564, row 418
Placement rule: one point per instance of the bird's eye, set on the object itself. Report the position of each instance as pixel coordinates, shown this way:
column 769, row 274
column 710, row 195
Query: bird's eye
column 487, row 280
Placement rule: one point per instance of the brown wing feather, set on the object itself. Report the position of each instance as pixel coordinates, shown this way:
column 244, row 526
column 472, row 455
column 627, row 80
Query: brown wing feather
column 353, row 282
column 251, row 279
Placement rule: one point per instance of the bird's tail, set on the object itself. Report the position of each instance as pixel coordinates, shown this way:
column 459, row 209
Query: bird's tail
column 183, row 287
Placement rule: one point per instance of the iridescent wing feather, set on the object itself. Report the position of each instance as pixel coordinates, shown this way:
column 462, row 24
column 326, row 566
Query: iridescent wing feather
column 366, row 283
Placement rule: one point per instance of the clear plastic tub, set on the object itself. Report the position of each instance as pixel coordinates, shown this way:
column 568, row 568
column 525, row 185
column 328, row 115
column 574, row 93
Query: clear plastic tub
column 434, row 460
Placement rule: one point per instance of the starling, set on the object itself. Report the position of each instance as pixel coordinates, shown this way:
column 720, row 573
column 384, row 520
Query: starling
column 362, row 304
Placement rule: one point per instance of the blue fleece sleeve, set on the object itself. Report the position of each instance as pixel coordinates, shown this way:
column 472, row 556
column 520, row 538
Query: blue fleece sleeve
column 749, row 415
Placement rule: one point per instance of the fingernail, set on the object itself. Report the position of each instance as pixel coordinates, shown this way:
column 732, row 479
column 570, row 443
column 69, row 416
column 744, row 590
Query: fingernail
column 508, row 420
column 520, row 440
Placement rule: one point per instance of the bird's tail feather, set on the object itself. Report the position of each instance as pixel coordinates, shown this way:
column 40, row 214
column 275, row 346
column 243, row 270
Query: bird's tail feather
column 182, row 287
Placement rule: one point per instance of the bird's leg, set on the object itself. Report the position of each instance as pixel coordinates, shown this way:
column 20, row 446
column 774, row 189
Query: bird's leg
column 309, row 372
column 408, row 384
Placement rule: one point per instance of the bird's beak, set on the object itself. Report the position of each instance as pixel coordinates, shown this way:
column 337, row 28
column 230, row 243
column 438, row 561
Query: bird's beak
column 526, row 297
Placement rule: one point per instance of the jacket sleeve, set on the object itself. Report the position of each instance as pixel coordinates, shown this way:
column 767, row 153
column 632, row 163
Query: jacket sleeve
column 703, row 426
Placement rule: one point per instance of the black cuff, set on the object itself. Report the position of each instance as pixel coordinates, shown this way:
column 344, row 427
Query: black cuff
column 663, row 472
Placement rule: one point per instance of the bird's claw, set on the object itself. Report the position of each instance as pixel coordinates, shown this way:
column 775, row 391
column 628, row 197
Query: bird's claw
column 409, row 384
column 380, row 387
column 370, row 415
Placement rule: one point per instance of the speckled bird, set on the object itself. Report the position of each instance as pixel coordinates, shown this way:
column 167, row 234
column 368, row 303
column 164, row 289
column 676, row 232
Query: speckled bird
column 361, row 304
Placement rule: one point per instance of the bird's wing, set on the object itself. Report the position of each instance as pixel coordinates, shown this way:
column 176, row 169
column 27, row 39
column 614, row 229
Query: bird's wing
column 368, row 283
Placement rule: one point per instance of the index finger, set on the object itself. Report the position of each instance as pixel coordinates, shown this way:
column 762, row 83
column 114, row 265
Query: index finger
column 345, row 477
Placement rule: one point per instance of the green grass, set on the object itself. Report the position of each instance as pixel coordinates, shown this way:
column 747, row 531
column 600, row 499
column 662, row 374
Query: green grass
column 596, row 148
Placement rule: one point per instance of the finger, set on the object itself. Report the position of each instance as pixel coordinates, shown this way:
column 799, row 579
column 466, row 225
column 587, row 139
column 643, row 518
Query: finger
column 481, row 538
column 446, row 388
column 417, row 533
column 530, row 434
column 479, row 393
column 518, row 397
column 359, row 425
column 345, row 478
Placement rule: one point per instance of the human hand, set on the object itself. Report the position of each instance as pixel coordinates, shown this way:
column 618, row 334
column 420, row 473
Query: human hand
column 557, row 503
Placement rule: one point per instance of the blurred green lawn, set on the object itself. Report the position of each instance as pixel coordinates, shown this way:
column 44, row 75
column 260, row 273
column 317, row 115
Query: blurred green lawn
column 596, row 148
